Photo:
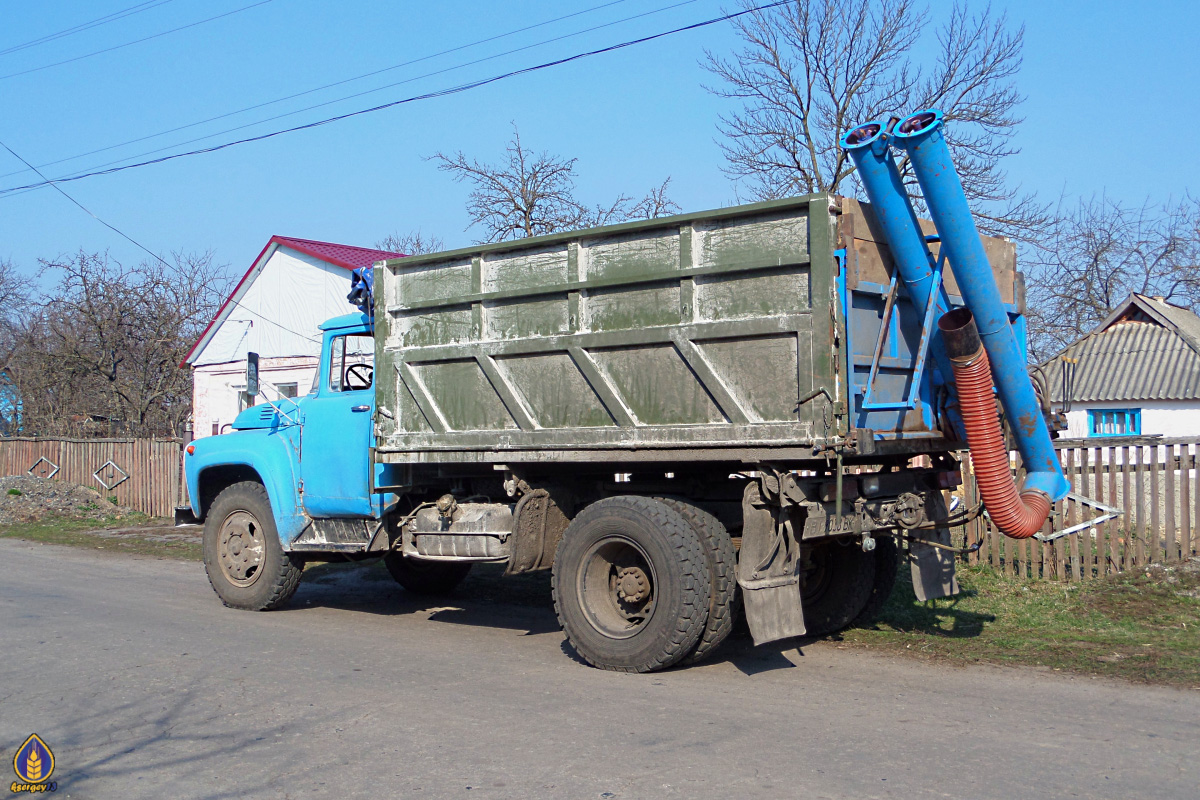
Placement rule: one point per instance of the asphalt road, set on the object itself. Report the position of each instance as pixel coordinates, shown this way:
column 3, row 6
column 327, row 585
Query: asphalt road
column 144, row 685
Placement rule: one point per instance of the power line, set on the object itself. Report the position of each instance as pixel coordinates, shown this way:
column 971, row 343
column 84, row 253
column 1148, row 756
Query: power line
column 135, row 41
column 141, row 246
column 83, row 26
column 336, row 100
column 318, row 88
column 427, row 96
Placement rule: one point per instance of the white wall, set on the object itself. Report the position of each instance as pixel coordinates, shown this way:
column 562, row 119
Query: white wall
column 278, row 314
column 216, row 387
column 1159, row 417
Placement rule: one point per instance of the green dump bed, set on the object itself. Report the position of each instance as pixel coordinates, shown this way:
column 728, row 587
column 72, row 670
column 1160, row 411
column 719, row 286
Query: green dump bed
column 709, row 336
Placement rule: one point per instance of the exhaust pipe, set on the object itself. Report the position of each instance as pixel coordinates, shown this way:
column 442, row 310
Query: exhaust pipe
column 920, row 135
column 1017, row 515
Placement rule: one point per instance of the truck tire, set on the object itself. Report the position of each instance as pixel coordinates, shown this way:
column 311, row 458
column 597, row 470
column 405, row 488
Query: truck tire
column 723, row 593
column 836, row 579
column 887, row 564
column 425, row 577
column 631, row 585
column 243, row 556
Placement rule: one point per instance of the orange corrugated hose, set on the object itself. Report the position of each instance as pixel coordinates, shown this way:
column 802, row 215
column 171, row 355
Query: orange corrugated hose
column 1019, row 516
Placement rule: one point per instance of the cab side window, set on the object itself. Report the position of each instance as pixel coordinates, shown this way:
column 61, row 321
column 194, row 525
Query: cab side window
column 351, row 363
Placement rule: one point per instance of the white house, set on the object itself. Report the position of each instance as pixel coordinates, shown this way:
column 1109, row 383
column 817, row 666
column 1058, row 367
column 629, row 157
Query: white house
column 292, row 287
column 1138, row 373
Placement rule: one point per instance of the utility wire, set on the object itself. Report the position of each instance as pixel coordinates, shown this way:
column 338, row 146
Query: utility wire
column 314, row 90
column 141, row 246
column 83, row 26
column 427, row 96
column 334, row 101
column 135, row 41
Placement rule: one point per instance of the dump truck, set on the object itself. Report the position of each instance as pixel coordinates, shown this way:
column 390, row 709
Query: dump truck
column 754, row 409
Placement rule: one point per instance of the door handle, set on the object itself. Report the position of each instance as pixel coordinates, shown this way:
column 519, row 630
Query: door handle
column 358, row 409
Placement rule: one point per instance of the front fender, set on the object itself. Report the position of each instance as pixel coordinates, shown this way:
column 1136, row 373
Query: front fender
column 272, row 454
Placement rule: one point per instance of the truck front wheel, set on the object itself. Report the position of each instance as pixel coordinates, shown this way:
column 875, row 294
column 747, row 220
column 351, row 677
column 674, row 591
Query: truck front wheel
column 631, row 585
column 243, row 556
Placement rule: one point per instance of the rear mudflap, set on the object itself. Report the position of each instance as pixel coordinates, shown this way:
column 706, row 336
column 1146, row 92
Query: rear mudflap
column 768, row 569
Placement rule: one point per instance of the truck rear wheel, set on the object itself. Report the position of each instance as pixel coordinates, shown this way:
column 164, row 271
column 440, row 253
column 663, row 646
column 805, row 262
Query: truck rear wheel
column 426, row 577
column 836, row 579
column 243, row 556
column 723, row 595
column 631, row 585
column 887, row 563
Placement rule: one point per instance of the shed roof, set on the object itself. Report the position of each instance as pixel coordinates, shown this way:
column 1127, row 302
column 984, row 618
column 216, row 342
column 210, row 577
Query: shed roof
column 1147, row 349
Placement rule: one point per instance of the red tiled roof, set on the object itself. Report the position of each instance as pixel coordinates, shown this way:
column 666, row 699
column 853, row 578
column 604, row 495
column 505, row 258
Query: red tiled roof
column 343, row 255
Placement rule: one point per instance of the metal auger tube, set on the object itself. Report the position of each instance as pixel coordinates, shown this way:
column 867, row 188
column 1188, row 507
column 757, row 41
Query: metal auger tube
column 920, row 135
column 868, row 147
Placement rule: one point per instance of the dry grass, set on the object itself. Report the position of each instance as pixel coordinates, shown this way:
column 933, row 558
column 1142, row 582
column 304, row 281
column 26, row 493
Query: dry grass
column 1142, row 626
column 82, row 533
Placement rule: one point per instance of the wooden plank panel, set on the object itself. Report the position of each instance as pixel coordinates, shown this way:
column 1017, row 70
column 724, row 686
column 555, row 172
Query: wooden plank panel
column 1073, row 516
column 1154, row 540
column 1086, row 535
column 1187, row 460
column 1169, row 473
column 153, row 465
column 1110, row 498
column 1139, row 553
column 1196, row 502
column 1127, row 519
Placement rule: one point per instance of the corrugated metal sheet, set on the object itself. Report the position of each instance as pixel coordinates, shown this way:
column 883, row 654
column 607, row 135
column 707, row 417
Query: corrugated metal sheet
column 1130, row 361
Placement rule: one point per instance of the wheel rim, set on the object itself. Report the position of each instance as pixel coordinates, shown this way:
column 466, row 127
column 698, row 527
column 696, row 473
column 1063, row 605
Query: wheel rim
column 816, row 574
column 241, row 548
column 617, row 587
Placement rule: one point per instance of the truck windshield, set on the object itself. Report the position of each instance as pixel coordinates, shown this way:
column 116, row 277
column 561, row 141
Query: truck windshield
column 351, row 363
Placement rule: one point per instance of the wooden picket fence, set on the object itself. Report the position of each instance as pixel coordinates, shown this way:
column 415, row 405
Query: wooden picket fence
column 153, row 468
column 1154, row 481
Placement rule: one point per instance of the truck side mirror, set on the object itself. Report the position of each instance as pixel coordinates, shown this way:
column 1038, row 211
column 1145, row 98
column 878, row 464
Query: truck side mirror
column 252, row 374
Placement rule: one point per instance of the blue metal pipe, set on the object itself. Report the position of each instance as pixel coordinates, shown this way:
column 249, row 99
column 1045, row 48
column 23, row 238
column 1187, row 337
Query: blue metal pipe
column 868, row 147
column 920, row 135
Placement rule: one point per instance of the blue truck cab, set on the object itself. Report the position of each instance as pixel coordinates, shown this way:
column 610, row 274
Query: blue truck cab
column 294, row 476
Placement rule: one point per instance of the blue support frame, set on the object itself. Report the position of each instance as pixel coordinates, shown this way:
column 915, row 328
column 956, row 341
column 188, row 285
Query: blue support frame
column 914, row 387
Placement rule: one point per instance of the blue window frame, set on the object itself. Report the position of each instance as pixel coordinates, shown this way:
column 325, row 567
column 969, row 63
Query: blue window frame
column 1114, row 422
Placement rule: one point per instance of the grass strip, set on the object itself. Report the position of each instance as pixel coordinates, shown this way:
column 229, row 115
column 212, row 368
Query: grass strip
column 1142, row 626
column 83, row 533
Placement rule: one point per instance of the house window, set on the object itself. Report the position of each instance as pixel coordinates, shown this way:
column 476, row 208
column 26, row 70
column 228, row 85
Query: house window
column 1114, row 422
column 287, row 389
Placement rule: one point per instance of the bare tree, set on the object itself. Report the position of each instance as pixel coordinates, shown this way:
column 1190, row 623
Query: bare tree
column 102, row 353
column 15, row 295
column 532, row 194
column 413, row 243
column 810, row 70
column 1099, row 252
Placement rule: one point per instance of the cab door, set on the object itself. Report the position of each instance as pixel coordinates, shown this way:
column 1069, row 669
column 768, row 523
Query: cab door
column 336, row 440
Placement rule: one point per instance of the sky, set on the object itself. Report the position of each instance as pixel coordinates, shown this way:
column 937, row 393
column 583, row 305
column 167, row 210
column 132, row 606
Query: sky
column 1101, row 79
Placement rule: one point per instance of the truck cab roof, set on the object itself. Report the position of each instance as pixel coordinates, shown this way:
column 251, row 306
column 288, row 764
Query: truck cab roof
column 357, row 320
